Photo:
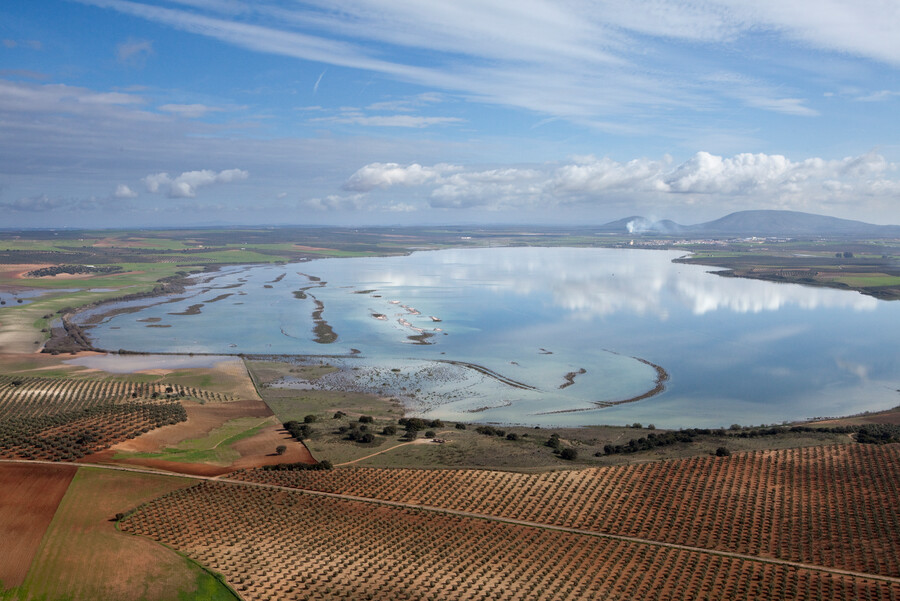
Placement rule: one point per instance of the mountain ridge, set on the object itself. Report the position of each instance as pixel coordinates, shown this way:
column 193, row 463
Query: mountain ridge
column 757, row 223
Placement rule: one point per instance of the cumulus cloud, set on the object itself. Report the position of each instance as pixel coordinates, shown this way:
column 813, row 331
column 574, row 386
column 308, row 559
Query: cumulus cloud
column 385, row 175
column 334, row 202
column 769, row 181
column 186, row 184
column 123, row 191
column 590, row 174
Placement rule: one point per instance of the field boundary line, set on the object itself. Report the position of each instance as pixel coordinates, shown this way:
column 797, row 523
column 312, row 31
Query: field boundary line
column 486, row 517
column 396, row 446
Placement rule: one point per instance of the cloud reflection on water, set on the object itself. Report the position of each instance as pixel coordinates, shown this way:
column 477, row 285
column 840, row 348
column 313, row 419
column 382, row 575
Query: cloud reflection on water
column 637, row 282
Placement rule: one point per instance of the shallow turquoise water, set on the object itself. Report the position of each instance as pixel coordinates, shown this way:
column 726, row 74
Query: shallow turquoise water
column 737, row 351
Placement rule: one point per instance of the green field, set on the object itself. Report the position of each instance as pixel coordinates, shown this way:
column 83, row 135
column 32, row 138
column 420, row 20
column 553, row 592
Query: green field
column 83, row 557
column 213, row 449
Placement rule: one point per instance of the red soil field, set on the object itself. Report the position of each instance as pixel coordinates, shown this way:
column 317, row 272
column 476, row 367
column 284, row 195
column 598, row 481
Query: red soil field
column 274, row 544
column 833, row 506
column 30, row 496
column 13, row 271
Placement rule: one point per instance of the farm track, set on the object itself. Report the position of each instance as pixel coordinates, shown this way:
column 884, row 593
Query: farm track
column 492, row 518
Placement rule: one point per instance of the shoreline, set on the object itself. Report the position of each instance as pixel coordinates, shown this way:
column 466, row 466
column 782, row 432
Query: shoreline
column 662, row 376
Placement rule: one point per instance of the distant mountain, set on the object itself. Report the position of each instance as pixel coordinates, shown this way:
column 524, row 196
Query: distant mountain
column 641, row 225
column 758, row 223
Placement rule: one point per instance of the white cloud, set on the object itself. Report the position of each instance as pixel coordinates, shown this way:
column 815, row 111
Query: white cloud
column 155, row 181
column 123, row 191
column 390, row 120
column 190, row 111
column 863, row 27
column 765, row 181
column 879, row 96
column 590, row 61
column 24, row 98
column 385, row 175
column 186, row 184
column 589, row 174
column 707, row 173
column 335, row 202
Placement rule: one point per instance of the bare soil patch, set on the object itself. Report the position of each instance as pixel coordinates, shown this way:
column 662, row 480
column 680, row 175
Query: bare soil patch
column 31, row 494
column 891, row 416
column 255, row 451
column 260, row 449
column 18, row 271
column 201, row 420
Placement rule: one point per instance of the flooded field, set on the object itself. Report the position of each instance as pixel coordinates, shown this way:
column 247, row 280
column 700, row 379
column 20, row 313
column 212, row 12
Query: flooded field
column 543, row 336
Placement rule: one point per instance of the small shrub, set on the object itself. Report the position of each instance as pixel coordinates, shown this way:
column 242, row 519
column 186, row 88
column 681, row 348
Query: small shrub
column 568, row 454
column 490, row 431
column 460, row 426
column 723, row 452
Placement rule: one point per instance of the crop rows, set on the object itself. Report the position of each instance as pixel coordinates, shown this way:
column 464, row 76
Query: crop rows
column 832, row 506
column 274, row 544
column 34, row 395
column 65, row 419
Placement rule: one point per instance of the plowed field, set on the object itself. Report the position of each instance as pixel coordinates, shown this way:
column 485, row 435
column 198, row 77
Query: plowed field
column 29, row 496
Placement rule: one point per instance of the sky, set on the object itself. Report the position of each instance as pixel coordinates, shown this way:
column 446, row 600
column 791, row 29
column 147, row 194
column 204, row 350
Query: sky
column 153, row 113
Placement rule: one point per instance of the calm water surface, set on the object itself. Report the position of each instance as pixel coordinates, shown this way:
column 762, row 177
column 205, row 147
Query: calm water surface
column 736, row 351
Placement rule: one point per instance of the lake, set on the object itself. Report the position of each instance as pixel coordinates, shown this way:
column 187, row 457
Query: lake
column 544, row 336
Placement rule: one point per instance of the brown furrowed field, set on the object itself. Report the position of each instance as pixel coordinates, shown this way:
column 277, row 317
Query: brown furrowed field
column 30, row 495
column 833, row 506
column 278, row 544
column 84, row 557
